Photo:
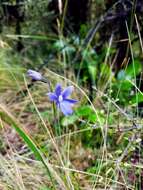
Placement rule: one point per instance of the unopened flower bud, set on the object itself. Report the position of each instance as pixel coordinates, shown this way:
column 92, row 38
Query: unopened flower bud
column 36, row 76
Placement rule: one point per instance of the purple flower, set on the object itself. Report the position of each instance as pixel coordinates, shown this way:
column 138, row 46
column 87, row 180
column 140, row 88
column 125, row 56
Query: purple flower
column 36, row 76
column 61, row 99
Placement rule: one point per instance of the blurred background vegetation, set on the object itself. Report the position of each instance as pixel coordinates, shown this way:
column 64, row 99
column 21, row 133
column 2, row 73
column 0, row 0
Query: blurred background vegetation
column 95, row 45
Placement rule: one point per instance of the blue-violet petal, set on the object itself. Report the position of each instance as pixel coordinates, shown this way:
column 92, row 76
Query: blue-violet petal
column 67, row 92
column 58, row 89
column 66, row 108
column 52, row 96
column 72, row 101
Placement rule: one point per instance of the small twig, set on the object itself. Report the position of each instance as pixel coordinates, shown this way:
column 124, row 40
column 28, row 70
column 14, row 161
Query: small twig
column 118, row 161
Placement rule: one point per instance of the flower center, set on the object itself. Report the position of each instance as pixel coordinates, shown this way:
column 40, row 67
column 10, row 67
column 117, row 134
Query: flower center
column 60, row 98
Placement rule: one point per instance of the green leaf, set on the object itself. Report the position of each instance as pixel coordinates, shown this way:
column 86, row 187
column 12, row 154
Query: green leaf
column 133, row 69
column 84, row 111
column 92, row 118
column 69, row 120
column 34, row 37
column 125, row 86
column 137, row 98
column 92, row 70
